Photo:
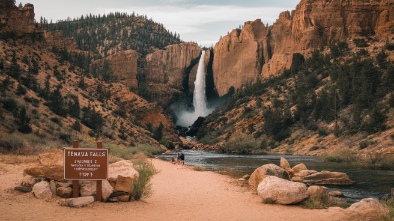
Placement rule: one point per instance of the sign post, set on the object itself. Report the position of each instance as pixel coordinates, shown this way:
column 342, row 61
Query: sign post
column 86, row 164
column 75, row 182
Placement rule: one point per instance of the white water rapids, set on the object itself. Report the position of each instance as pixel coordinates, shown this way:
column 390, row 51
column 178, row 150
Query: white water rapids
column 187, row 118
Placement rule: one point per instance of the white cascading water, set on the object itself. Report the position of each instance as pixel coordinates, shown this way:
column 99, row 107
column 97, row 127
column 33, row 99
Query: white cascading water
column 199, row 98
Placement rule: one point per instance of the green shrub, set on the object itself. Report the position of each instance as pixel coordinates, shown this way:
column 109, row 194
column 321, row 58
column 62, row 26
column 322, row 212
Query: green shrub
column 344, row 155
column 315, row 204
column 198, row 168
column 390, row 204
column 360, row 42
column 269, row 201
column 56, row 121
column 241, row 143
column 334, row 201
column 142, row 187
column 314, row 148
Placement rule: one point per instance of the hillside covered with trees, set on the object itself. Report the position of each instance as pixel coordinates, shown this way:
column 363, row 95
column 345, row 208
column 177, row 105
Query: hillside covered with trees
column 102, row 35
column 339, row 99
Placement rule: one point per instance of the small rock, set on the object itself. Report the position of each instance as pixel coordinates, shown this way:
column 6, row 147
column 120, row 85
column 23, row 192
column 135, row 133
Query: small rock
column 23, row 189
column 64, row 192
column 318, row 193
column 29, row 180
column 124, row 198
column 78, row 202
column 335, row 193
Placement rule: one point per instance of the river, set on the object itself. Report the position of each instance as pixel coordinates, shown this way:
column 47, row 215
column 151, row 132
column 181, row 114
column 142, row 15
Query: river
column 367, row 183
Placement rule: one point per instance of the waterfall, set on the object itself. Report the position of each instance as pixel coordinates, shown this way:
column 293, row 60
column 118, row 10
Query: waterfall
column 187, row 118
column 199, row 97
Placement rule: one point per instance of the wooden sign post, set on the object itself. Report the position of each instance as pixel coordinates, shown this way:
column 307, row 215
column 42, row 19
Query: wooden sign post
column 86, row 164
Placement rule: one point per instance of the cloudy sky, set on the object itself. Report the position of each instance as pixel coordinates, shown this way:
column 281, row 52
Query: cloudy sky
column 201, row 21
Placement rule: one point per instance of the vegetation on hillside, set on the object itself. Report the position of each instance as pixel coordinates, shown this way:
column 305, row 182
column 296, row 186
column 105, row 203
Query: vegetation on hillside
column 335, row 92
column 102, row 35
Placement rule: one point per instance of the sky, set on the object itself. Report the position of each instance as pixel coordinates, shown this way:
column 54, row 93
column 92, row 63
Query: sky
column 201, row 21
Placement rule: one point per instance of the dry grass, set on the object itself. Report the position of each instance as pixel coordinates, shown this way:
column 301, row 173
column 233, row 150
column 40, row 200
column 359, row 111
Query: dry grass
column 17, row 159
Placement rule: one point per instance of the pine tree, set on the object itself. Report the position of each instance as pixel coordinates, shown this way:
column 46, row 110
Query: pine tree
column 23, row 121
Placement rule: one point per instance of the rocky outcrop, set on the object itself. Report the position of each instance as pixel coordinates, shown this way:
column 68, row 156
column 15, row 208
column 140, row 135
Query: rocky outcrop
column 239, row 57
column 280, row 191
column 325, row 178
column 125, row 66
column 119, row 185
column 15, row 21
column 257, row 51
column 57, row 39
column 168, row 71
column 300, row 173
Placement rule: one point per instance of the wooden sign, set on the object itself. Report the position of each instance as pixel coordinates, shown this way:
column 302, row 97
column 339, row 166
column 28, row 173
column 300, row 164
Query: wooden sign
column 85, row 164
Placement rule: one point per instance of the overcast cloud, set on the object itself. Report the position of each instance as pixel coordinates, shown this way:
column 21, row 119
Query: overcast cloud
column 202, row 21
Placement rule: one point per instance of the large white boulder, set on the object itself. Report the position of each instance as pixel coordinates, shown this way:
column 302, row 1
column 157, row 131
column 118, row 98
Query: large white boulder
column 42, row 190
column 276, row 190
column 122, row 168
column 367, row 210
column 266, row 170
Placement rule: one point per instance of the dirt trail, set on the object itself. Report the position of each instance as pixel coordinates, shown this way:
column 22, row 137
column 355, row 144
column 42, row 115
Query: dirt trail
column 179, row 193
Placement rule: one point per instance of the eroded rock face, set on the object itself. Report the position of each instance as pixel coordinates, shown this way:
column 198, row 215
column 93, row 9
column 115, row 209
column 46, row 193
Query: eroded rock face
column 167, row 71
column 276, row 190
column 239, row 57
column 16, row 21
column 312, row 25
column 124, row 66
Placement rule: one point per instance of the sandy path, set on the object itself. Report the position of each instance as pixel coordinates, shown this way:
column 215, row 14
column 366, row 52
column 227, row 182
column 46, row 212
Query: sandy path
column 179, row 193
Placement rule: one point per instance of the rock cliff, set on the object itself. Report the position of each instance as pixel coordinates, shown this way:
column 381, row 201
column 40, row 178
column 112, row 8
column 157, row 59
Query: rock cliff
column 239, row 56
column 15, row 21
column 257, row 51
column 124, row 65
column 168, row 71
column 57, row 39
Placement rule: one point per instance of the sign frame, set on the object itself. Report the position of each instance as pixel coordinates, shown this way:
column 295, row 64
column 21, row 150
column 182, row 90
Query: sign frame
column 88, row 160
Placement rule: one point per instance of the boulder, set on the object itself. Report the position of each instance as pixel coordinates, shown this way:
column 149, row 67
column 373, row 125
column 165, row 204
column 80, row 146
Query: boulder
column 124, row 184
column 335, row 193
column 64, row 192
column 88, row 188
column 280, row 191
column 367, row 210
column 51, row 159
column 266, row 170
column 28, row 180
column 299, row 167
column 318, row 193
column 42, row 190
column 122, row 168
column 284, row 164
column 328, row 178
column 52, row 173
column 78, row 202
column 299, row 177
column 23, row 189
